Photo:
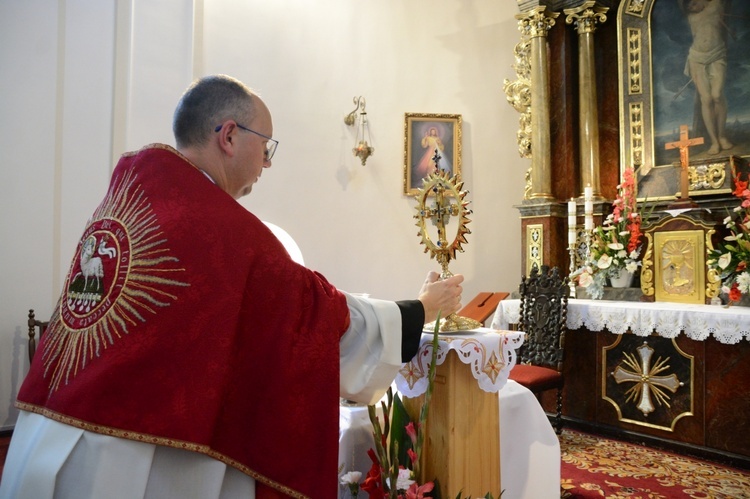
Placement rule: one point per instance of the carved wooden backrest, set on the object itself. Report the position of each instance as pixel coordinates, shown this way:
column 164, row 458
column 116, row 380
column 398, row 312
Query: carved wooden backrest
column 34, row 324
column 544, row 309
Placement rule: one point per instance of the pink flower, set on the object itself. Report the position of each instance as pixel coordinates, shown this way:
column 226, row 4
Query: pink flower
column 412, row 431
column 412, row 455
column 585, row 280
column 417, row 492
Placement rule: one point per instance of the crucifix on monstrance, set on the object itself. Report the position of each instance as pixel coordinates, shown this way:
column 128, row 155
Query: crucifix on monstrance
column 440, row 202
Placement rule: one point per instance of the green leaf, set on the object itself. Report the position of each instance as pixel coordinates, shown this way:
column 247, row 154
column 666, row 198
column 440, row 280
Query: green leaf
column 398, row 430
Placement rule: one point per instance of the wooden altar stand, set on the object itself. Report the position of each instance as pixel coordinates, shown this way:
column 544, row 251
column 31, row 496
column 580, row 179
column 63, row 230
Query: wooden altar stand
column 462, row 439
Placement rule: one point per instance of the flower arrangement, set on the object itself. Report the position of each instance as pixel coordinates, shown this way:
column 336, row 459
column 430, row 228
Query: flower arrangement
column 730, row 259
column 616, row 245
column 386, row 469
column 397, row 441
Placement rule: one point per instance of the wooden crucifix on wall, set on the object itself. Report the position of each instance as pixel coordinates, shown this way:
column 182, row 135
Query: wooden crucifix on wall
column 683, row 144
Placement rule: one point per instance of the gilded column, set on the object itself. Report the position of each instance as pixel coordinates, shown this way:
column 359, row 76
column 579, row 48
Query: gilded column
column 585, row 18
column 535, row 24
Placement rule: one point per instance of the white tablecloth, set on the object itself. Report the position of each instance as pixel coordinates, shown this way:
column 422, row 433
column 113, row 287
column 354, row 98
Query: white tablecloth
column 529, row 448
column 698, row 322
column 490, row 354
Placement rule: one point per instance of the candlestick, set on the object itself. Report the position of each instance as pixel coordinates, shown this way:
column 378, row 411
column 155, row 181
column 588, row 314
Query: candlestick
column 572, row 254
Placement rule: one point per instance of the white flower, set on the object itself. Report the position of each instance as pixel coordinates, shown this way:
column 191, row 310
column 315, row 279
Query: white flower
column 604, row 262
column 743, row 282
column 631, row 266
column 730, row 238
column 622, row 253
column 351, row 478
column 634, row 254
column 615, row 246
column 624, row 233
column 727, row 220
column 724, row 260
column 585, row 280
column 404, row 480
column 725, row 289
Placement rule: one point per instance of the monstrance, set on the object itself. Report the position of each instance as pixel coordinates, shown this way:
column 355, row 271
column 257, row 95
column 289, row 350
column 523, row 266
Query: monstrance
column 439, row 199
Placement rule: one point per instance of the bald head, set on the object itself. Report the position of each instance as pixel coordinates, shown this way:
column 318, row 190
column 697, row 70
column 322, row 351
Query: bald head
column 207, row 103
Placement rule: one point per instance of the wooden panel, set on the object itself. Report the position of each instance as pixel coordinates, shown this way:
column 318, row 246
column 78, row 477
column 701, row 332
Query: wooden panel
column 462, row 438
column 483, row 305
column 554, row 229
column 579, row 370
column 721, row 383
column 688, row 428
column 728, row 396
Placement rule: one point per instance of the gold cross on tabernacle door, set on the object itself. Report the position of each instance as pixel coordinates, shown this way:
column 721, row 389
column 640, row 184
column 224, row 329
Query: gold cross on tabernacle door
column 646, row 379
column 683, row 144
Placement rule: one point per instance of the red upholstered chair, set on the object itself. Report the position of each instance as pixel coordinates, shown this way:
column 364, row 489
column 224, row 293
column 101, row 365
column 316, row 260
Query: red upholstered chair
column 33, row 326
column 544, row 308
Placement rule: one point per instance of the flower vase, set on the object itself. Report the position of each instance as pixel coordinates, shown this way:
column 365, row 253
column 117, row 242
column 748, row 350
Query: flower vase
column 623, row 279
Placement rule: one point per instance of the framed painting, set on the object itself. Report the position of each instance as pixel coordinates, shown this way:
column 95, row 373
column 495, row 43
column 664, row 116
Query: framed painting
column 684, row 62
column 431, row 141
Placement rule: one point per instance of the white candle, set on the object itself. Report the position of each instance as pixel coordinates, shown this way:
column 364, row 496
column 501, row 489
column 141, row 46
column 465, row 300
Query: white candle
column 571, row 237
column 571, row 214
column 589, row 222
column 588, row 208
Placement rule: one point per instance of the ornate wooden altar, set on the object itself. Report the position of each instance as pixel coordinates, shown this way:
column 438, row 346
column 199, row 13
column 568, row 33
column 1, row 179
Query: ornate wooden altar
column 674, row 375
column 610, row 109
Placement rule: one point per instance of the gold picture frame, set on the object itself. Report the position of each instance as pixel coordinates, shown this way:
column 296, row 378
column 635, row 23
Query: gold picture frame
column 423, row 133
column 656, row 96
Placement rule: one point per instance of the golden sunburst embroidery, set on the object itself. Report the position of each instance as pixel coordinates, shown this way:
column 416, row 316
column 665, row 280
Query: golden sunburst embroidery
column 121, row 272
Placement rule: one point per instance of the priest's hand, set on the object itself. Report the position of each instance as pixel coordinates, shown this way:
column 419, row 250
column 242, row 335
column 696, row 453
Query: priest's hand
column 440, row 296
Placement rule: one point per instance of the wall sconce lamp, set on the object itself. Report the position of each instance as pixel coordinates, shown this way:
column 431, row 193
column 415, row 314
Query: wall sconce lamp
column 362, row 148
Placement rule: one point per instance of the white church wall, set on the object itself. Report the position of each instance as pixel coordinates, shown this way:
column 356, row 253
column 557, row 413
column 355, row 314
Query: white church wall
column 402, row 57
column 85, row 80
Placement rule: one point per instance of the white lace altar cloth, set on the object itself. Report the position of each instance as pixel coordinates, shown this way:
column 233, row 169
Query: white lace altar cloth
column 490, row 353
column 698, row 322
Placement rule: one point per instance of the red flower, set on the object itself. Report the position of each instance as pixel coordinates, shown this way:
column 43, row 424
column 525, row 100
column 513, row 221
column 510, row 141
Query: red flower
column 740, row 187
column 741, row 266
column 734, row 292
column 372, row 483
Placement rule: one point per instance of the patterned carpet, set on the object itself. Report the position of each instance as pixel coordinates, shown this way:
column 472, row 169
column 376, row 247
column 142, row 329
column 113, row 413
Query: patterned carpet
column 599, row 467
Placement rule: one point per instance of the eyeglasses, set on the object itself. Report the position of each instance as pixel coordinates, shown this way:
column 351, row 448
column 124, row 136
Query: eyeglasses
column 271, row 145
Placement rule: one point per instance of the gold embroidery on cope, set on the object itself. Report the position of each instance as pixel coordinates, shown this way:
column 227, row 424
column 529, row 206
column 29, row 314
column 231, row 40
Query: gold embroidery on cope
column 120, row 273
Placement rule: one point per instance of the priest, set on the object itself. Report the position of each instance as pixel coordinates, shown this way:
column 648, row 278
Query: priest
column 189, row 355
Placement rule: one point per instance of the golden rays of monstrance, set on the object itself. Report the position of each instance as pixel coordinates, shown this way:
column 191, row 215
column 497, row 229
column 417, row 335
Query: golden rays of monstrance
column 441, row 201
